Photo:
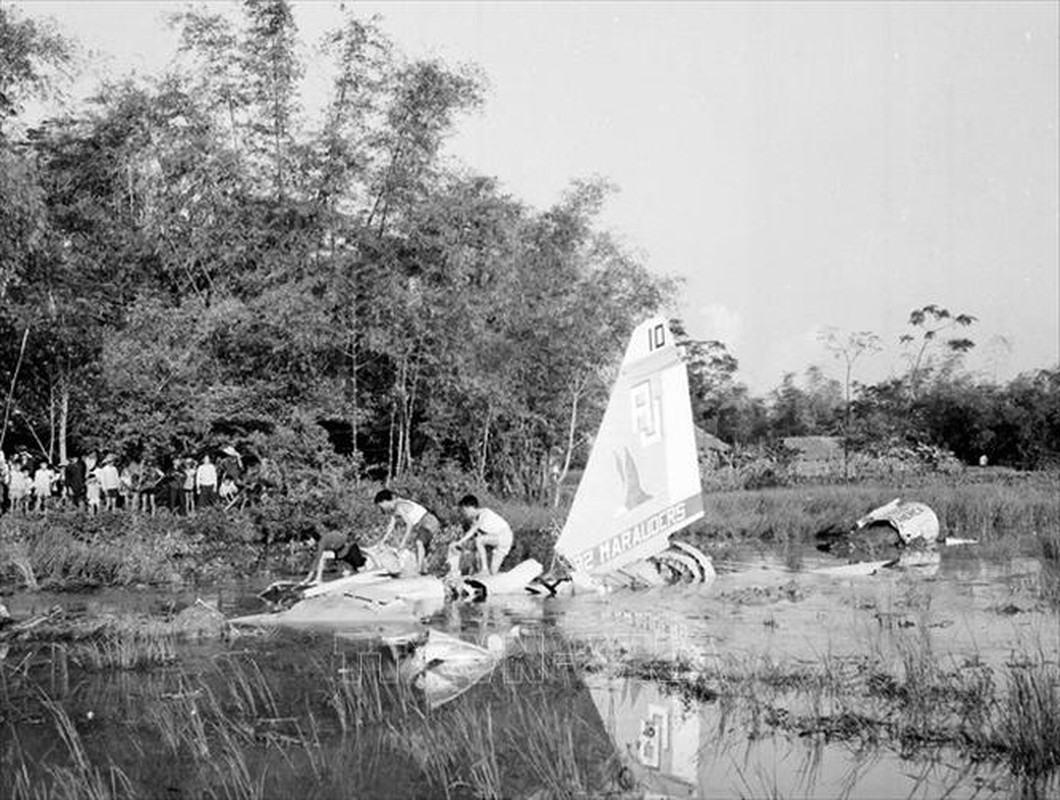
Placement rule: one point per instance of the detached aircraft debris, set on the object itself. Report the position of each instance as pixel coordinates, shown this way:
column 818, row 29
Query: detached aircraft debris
column 443, row 666
column 910, row 528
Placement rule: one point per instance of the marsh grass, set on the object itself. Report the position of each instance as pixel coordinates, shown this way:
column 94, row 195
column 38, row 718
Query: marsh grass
column 337, row 722
column 66, row 549
column 510, row 743
column 988, row 512
column 77, row 777
column 1049, row 578
column 126, row 652
column 1026, row 727
column 911, row 703
column 343, row 727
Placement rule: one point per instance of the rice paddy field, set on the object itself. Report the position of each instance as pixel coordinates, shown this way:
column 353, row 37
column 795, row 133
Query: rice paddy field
column 787, row 677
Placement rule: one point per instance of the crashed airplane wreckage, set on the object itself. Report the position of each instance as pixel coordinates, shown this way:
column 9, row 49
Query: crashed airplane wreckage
column 641, row 483
column 906, row 530
column 640, row 486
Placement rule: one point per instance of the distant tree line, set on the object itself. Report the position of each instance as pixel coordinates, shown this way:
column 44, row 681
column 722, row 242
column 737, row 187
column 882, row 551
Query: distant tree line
column 193, row 260
column 935, row 402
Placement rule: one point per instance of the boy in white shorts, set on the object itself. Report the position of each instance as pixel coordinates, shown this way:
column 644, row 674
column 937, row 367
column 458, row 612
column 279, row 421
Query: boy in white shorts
column 490, row 529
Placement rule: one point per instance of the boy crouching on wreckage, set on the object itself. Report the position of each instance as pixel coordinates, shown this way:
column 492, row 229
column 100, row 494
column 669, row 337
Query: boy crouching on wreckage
column 489, row 529
column 338, row 546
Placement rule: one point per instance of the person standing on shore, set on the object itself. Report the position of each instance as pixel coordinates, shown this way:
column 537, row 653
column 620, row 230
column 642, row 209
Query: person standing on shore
column 5, row 482
column 189, row 485
column 93, row 492
column 109, row 482
column 206, row 482
column 150, row 479
column 74, row 478
column 21, row 488
column 43, row 479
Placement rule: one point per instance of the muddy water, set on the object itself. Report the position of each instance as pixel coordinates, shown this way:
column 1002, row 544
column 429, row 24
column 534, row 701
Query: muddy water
column 811, row 646
column 816, row 648
column 798, row 671
column 961, row 608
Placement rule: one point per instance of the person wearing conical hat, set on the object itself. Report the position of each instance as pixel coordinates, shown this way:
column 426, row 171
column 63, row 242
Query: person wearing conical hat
column 230, row 465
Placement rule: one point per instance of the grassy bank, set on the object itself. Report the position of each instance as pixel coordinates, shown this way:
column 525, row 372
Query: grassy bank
column 71, row 550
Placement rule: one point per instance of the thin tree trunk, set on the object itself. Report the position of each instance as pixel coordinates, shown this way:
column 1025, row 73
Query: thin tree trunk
column 277, row 136
column 390, row 444
column 410, row 405
column 232, row 123
column 569, row 454
column 51, row 421
column 480, row 470
column 64, row 415
column 11, row 388
column 397, row 424
column 846, row 427
column 355, row 413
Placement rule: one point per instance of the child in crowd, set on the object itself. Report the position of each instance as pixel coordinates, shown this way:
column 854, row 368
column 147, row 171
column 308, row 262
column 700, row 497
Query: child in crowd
column 109, row 482
column 93, row 492
column 21, row 488
column 189, row 485
column 42, row 485
column 228, row 490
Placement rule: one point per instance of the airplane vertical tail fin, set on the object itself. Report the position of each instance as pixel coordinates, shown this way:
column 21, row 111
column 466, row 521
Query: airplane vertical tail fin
column 641, row 482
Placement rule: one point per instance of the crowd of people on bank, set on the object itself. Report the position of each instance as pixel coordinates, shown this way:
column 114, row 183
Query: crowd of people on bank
column 96, row 482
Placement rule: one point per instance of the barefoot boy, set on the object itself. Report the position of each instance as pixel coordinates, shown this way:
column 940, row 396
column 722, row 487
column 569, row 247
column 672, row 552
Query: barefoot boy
column 335, row 545
column 419, row 523
column 490, row 529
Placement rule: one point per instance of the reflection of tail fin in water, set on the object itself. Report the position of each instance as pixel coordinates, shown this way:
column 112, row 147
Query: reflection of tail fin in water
column 646, row 432
column 662, row 745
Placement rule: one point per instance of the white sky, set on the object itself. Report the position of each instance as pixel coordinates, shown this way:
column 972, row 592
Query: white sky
column 801, row 165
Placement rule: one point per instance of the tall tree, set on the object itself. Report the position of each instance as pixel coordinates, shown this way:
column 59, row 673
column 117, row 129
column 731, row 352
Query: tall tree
column 272, row 66
column 711, row 375
column 32, row 56
column 927, row 324
column 849, row 347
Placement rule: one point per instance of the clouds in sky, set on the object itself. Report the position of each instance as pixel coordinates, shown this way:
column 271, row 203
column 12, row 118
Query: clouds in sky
column 721, row 323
